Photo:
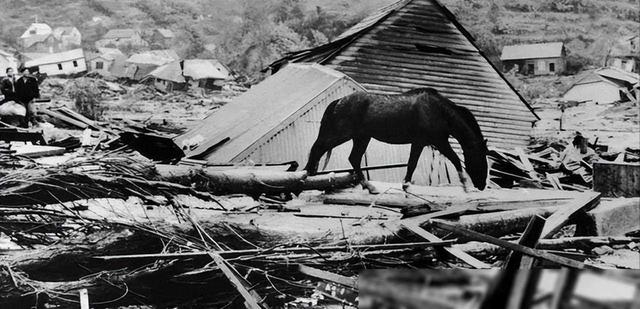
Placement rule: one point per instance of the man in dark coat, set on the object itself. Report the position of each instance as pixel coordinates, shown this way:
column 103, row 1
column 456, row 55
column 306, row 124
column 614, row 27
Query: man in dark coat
column 27, row 89
column 7, row 86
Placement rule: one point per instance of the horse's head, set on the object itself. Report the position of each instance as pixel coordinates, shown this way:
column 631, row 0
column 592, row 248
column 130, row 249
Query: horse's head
column 476, row 164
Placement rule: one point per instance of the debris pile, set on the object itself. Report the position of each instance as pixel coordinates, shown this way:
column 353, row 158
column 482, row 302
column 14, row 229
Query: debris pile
column 131, row 232
column 553, row 165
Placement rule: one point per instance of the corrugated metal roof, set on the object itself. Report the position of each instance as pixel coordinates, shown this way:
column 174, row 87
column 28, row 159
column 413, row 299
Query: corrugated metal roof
column 419, row 43
column 70, row 55
column 202, row 68
column 171, row 71
column 532, row 51
column 258, row 111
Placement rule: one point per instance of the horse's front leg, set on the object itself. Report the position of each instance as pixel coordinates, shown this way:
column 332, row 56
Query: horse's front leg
column 446, row 150
column 416, row 151
column 355, row 158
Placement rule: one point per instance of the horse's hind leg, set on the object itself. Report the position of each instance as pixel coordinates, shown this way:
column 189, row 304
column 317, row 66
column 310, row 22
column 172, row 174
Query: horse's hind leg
column 446, row 150
column 355, row 158
column 416, row 151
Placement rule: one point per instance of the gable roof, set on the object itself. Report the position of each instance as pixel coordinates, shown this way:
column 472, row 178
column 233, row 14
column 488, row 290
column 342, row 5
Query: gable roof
column 40, row 28
column 171, row 71
column 532, row 51
column 419, row 43
column 34, row 38
column 203, row 68
column 260, row 112
column 620, row 75
column 120, row 33
column 65, row 56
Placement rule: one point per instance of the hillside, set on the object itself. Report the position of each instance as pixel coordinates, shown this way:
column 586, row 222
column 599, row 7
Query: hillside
column 249, row 34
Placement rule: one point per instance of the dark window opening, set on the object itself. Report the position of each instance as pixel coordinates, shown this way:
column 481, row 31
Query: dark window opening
column 552, row 67
column 59, row 66
column 75, row 64
column 530, row 68
column 32, row 32
column 99, row 65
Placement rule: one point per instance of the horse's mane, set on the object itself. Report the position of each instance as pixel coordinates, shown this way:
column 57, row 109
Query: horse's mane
column 459, row 110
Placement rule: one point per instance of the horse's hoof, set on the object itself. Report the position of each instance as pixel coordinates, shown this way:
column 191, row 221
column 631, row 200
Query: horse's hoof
column 405, row 186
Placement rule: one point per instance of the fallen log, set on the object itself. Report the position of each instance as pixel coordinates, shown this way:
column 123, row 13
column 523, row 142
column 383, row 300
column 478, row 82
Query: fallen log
column 500, row 223
column 250, row 181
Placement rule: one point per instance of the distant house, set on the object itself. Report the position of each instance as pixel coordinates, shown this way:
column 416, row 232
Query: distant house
column 106, row 61
column 68, row 37
column 37, row 33
column 206, row 73
column 63, row 63
column 141, row 64
column 167, row 77
column 625, row 54
column 162, row 37
column 41, row 38
column 121, row 38
column 7, row 60
column 605, row 85
column 535, row 59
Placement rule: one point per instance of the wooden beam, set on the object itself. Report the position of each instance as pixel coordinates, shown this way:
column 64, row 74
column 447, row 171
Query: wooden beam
column 251, row 298
column 465, row 257
column 524, row 288
column 558, row 219
column 506, row 244
column 328, row 276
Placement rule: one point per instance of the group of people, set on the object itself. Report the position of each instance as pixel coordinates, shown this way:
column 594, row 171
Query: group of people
column 21, row 90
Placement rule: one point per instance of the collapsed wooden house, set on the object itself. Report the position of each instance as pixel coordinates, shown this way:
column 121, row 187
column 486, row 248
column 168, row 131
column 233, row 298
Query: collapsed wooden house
column 419, row 43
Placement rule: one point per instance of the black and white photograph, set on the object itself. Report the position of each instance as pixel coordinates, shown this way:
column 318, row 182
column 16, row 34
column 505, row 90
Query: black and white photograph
column 264, row 154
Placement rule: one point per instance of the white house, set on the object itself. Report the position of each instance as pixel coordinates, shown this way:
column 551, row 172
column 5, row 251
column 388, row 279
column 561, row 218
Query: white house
column 64, row 63
column 604, row 85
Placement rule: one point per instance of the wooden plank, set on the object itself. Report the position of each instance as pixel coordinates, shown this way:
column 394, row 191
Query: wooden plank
column 557, row 220
column 328, row 276
column 463, row 256
column 251, row 298
column 527, row 164
column 34, row 151
column 452, row 210
column 64, row 118
column 506, row 244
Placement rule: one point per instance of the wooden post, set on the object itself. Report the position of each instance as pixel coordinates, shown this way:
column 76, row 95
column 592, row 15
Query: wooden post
column 529, row 238
column 565, row 285
column 84, row 298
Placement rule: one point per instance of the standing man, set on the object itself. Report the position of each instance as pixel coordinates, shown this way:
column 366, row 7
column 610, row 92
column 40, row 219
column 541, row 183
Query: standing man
column 27, row 89
column 7, row 86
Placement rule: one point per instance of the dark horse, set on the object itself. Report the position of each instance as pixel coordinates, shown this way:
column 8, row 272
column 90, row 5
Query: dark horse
column 420, row 117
